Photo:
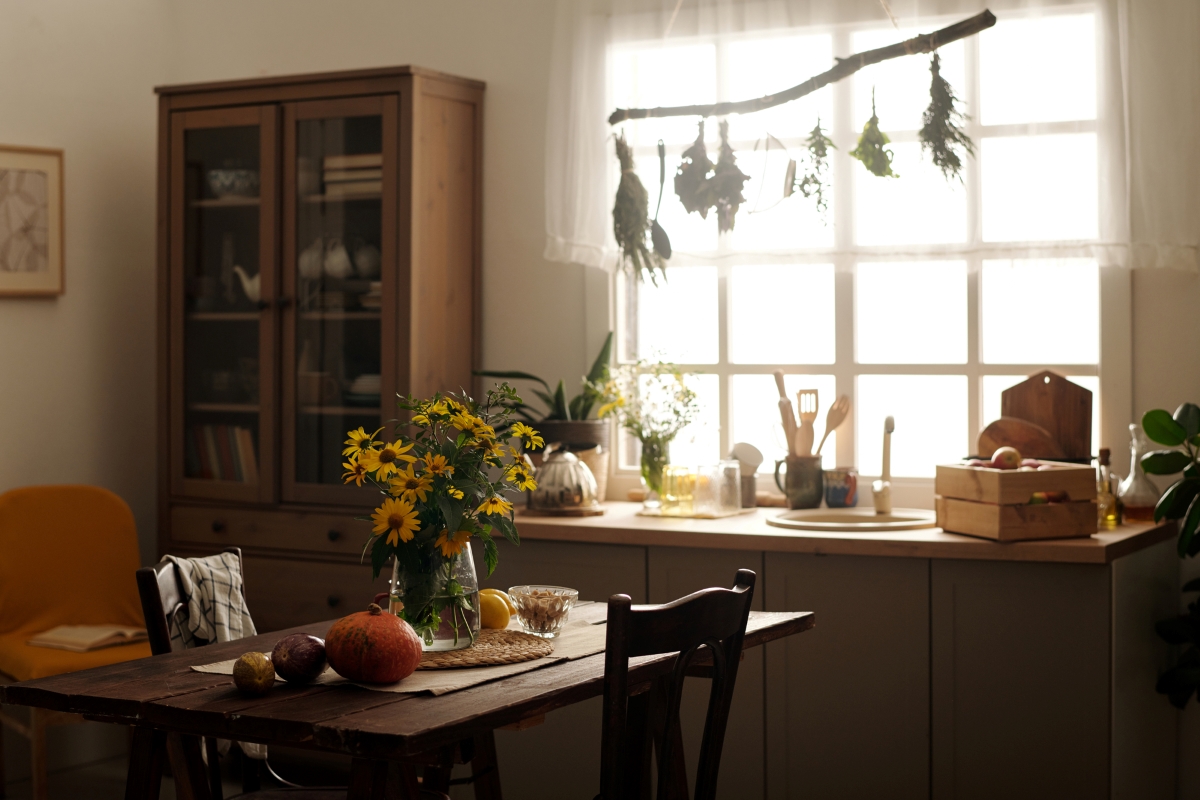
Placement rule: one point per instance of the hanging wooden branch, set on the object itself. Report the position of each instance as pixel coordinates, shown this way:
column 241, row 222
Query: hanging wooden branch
column 942, row 134
column 925, row 43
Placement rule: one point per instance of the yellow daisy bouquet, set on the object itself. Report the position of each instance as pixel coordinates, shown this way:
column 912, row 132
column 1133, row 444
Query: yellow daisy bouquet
column 444, row 479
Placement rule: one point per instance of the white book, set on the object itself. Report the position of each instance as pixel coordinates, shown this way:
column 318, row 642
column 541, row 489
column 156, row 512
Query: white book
column 85, row 638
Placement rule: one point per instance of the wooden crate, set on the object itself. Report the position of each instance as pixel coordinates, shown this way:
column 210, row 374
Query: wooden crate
column 1016, row 523
column 1013, row 487
column 994, row 503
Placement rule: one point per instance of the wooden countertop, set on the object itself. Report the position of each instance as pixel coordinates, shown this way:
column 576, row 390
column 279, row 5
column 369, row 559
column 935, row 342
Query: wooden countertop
column 621, row 525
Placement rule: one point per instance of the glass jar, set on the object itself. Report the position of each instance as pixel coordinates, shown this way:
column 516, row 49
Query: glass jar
column 655, row 452
column 441, row 602
column 1138, row 494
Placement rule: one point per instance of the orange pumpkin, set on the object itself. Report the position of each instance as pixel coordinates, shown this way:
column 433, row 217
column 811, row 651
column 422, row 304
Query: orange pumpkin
column 373, row 646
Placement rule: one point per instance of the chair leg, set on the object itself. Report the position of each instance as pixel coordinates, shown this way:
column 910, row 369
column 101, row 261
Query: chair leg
column 485, row 768
column 37, row 747
column 214, row 768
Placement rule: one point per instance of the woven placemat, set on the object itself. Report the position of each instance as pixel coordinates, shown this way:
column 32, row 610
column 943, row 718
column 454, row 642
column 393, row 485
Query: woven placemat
column 491, row 647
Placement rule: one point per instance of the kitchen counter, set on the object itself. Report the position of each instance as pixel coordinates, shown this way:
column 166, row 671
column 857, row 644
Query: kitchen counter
column 621, row 524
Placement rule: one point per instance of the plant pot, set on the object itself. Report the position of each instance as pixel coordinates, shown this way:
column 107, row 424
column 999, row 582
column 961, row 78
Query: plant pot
column 574, row 434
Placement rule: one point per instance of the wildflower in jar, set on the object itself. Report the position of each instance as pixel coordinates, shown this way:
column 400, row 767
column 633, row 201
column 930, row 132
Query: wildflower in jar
column 410, row 486
column 396, row 518
column 437, row 466
column 518, row 474
column 455, row 493
column 356, row 473
column 451, row 544
column 360, row 441
column 531, row 437
column 494, row 505
column 383, row 462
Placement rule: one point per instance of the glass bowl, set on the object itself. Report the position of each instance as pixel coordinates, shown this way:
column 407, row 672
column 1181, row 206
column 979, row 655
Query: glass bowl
column 543, row 610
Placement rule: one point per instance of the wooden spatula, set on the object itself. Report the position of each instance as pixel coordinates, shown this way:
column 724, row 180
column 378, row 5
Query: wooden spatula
column 786, row 415
column 836, row 416
column 807, row 405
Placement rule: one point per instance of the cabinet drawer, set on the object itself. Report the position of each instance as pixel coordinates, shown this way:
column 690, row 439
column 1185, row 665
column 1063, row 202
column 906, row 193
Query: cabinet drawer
column 283, row 593
column 284, row 530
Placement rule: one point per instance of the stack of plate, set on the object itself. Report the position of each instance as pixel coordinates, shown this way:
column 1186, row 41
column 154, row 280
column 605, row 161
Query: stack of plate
column 373, row 298
column 365, row 390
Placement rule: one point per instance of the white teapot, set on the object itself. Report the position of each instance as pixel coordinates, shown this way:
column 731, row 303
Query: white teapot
column 310, row 261
column 337, row 260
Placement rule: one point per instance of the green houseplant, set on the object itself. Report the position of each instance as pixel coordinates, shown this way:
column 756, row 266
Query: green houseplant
column 557, row 407
column 1181, row 501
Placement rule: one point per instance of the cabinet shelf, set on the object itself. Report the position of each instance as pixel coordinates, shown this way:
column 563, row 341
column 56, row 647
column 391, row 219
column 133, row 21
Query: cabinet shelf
column 223, row 316
column 224, row 408
column 341, row 198
column 226, row 202
column 345, row 411
column 340, row 315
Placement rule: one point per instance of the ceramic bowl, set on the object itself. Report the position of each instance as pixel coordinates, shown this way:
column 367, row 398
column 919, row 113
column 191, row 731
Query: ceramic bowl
column 233, row 182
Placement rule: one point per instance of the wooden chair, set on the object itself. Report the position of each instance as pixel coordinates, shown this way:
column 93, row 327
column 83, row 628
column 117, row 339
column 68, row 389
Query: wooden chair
column 704, row 628
column 161, row 598
column 67, row 552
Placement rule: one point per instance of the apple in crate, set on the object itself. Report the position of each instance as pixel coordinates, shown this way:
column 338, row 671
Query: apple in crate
column 1006, row 458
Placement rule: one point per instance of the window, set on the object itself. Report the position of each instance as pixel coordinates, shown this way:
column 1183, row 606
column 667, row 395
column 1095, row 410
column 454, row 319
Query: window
column 919, row 297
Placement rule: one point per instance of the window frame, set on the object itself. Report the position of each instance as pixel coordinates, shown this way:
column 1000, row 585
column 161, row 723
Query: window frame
column 1114, row 365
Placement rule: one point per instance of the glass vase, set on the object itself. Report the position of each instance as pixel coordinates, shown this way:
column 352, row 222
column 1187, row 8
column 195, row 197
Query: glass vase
column 440, row 602
column 654, row 459
column 1137, row 493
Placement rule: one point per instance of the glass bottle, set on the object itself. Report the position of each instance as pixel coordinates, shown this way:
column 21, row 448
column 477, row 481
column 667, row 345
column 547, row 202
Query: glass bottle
column 1137, row 492
column 1106, row 501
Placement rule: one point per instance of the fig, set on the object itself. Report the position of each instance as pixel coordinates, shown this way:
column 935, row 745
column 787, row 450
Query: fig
column 1006, row 458
column 253, row 674
column 299, row 657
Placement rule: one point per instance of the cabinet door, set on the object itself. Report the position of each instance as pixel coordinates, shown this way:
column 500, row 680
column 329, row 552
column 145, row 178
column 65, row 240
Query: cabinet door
column 222, row 234
column 339, row 288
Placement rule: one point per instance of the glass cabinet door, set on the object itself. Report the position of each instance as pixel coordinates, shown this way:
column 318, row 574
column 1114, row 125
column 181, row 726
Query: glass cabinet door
column 222, row 251
column 339, row 259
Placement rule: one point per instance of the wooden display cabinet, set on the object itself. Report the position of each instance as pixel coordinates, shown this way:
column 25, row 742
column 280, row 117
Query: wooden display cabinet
column 319, row 252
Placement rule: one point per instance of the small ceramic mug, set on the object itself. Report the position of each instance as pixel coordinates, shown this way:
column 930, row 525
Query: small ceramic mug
column 802, row 483
column 841, row 487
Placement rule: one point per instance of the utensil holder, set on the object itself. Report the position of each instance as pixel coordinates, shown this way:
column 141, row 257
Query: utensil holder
column 802, row 483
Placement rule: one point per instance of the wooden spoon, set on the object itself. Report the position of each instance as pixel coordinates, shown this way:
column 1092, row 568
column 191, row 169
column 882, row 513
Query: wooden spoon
column 786, row 415
column 836, row 416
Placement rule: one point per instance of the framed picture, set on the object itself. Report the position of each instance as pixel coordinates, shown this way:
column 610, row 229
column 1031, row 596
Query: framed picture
column 31, row 222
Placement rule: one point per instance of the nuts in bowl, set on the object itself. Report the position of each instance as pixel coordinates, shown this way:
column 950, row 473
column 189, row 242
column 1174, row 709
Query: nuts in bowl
column 542, row 610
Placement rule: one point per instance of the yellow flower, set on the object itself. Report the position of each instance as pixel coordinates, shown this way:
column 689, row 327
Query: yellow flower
column 532, row 439
column 609, row 408
column 464, row 421
column 430, row 410
column 437, row 466
column 355, row 473
column 410, row 486
column 494, row 505
column 455, row 493
column 452, row 544
column 398, row 519
column 360, row 441
column 383, row 461
column 519, row 476
column 491, row 449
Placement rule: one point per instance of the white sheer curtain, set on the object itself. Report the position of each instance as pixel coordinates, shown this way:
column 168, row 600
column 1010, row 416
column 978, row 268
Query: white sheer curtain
column 1146, row 117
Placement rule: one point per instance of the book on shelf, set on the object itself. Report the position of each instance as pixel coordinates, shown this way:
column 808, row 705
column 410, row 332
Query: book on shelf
column 221, row 453
column 358, row 161
column 344, row 175
column 85, row 638
column 351, row 188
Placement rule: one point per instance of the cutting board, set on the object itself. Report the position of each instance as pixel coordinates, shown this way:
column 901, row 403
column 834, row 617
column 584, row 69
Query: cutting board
column 1032, row 441
column 1051, row 401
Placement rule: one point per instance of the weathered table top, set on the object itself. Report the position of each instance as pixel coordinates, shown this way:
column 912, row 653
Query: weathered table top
column 621, row 524
column 163, row 692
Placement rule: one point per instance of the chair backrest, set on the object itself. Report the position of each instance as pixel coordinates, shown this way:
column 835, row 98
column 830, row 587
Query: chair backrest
column 66, row 557
column 161, row 598
column 709, row 623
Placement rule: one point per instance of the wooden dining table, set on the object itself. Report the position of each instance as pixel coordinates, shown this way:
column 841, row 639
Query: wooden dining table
column 389, row 736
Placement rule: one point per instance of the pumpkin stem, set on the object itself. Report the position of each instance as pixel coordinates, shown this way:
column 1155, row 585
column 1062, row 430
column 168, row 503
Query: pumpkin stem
column 375, row 610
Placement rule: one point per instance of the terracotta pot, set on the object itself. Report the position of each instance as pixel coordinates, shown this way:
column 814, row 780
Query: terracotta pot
column 574, row 434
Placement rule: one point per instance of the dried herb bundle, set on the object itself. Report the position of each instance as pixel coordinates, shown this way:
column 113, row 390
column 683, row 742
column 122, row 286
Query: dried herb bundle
column 631, row 219
column 871, row 151
column 691, row 181
column 813, row 182
column 942, row 134
column 727, row 182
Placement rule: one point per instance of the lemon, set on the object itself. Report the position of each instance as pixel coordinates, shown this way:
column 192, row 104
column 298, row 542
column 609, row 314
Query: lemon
column 493, row 613
column 503, row 596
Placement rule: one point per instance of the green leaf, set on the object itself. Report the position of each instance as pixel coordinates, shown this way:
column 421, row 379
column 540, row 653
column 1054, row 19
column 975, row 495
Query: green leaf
column 491, row 553
column 1188, row 417
column 1176, row 499
column 1165, row 462
column 599, row 370
column 513, row 375
column 576, row 405
column 1191, row 586
column 1162, row 428
column 1177, row 630
column 452, row 511
column 1189, row 545
column 549, row 401
column 560, row 402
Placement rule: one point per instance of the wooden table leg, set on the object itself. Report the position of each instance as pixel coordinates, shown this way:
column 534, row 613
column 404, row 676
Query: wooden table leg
column 146, row 752
column 485, row 768
column 191, row 778
column 368, row 780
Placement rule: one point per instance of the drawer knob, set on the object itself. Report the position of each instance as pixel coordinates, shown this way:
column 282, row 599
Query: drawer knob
column 218, row 526
column 333, row 600
column 334, row 535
